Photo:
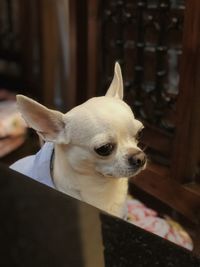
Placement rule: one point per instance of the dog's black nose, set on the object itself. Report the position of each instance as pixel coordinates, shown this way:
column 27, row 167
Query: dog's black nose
column 137, row 160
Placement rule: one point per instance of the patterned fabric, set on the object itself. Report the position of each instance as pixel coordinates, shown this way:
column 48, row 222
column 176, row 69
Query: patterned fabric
column 11, row 122
column 149, row 220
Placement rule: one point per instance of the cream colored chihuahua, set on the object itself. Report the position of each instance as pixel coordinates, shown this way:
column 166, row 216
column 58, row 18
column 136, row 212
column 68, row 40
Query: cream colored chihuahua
column 90, row 151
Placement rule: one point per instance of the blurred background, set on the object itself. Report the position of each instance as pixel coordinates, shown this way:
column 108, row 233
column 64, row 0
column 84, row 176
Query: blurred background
column 62, row 52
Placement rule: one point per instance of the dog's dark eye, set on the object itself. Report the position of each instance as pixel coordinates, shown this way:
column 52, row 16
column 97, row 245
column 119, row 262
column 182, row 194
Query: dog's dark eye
column 105, row 150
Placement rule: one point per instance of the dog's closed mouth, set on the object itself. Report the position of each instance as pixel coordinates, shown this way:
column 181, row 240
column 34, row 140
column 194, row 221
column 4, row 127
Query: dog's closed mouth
column 123, row 174
column 128, row 173
column 107, row 175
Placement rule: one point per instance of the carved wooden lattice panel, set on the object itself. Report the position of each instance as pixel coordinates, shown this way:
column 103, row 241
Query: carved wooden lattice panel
column 146, row 38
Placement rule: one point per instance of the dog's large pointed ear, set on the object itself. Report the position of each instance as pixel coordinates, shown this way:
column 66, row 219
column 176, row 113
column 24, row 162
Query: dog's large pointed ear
column 116, row 88
column 48, row 123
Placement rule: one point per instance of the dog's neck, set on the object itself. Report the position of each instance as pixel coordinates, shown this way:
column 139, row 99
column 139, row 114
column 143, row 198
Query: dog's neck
column 92, row 188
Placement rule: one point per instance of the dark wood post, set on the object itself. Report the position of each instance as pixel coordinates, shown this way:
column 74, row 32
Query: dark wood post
column 187, row 142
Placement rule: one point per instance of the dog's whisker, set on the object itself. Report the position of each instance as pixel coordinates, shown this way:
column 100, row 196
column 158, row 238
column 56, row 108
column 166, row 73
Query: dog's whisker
column 144, row 148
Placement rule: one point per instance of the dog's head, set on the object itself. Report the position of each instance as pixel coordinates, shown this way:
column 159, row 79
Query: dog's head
column 98, row 137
